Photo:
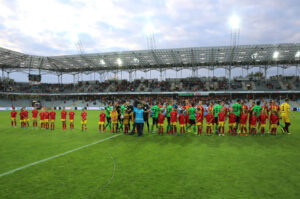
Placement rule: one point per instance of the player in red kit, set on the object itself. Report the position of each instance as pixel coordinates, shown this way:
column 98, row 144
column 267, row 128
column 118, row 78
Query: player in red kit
column 102, row 121
column 243, row 122
column 263, row 120
column 273, row 107
column 22, row 118
column 52, row 115
column 42, row 121
column 161, row 119
column 244, row 106
column 13, row 117
column 199, row 120
column 221, row 121
column 274, row 119
column 46, row 119
column 64, row 119
column 71, row 118
column 253, row 121
column 211, row 108
column 209, row 121
column 182, row 122
column 83, row 119
column 250, row 113
column 34, row 117
column 265, row 107
column 26, row 117
column 173, row 116
column 201, row 108
column 232, row 122
column 224, row 107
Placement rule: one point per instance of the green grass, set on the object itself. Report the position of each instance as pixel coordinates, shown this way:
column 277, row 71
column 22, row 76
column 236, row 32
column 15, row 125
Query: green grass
column 148, row 167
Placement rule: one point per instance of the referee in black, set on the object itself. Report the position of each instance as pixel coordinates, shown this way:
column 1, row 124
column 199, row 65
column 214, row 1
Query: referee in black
column 146, row 114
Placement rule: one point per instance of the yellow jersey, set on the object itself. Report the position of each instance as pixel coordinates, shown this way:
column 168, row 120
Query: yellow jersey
column 285, row 108
column 114, row 115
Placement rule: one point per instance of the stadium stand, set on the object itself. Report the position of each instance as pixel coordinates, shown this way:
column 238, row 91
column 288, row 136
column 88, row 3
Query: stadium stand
column 184, row 84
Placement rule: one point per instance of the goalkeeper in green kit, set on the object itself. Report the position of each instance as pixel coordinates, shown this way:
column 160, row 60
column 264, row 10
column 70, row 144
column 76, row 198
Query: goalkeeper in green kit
column 192, row 118
column 216, row 110
column 108, row 109
column 169, row 110
column 237, row 108
column 155, row 111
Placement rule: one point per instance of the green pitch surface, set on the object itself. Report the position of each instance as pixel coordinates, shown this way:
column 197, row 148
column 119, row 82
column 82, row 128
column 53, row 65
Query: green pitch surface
column 148, row 167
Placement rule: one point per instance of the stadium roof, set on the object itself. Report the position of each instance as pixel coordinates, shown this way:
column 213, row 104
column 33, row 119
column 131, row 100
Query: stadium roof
column 220, row 56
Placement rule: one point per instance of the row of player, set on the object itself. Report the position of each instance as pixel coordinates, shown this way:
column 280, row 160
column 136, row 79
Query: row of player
column 120, row 117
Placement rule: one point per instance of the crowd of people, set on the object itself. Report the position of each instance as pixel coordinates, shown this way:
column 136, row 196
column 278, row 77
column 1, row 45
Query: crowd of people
column 129, row 117
column 192, row 84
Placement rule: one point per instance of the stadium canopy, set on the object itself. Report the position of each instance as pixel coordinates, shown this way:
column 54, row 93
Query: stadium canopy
column 203, row 57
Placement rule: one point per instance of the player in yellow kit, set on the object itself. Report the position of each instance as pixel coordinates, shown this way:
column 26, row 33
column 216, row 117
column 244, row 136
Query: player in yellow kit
column 285, row 111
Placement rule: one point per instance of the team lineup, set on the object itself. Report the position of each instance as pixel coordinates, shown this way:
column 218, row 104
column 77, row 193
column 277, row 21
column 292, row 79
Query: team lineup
column 127, row 118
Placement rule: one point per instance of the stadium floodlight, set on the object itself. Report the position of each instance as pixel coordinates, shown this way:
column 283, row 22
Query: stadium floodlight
column 102, row 62
column 135, row 60
column 119, row 62
column 254, row 55
column 275, row 55
column 234, row 22
column 297, row 55
column 149, row 29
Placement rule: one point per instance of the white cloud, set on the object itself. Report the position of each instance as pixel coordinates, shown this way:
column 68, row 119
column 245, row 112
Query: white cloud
column 54, row 26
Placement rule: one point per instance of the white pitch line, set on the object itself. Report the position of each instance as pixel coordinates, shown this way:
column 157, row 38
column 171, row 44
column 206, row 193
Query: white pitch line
column 55, row 156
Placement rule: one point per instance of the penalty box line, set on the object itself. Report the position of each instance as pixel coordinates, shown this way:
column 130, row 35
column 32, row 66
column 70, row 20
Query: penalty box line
column 56, row 156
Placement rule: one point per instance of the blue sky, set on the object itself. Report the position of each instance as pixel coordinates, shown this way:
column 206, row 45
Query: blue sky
column 53, row 27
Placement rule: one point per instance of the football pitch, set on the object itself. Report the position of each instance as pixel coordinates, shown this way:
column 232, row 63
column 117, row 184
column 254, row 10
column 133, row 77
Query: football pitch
column 151, row 166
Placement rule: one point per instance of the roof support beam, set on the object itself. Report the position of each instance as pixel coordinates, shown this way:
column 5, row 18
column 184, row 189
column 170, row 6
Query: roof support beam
column 155, row 58
column 174, row 57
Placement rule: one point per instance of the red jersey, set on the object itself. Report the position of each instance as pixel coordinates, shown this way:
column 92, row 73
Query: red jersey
column 243, row 118
column 265, row 108
column 274, row 108
column 41, row 115
column 161, row 119
column 187, row 117
column 274, row 118
column 201, row 109
column 199, row 117
column 26, row 114
column 232, row 118
column 13, row 114
column 22, row 115
column 35, row 113
column 181, row 119
column 225, row 109
column 209, row 118
column 63, row 115
column 244, row 107
column 210, row 108
column 263, row 118
column 221, row 116
column 46, row 115
column 173, row 116
column 253, row 119
column 71, row 115
column 250, row 109
column 83, row 115
column 102, row 117
column 52, row 115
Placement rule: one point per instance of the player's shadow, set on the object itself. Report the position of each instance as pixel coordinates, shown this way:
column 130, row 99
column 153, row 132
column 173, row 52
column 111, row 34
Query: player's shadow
column 212, row 141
